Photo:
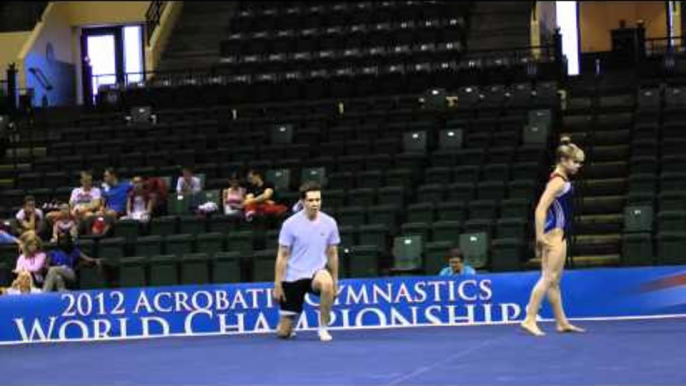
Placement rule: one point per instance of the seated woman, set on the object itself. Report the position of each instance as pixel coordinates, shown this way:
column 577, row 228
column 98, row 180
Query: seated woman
column 234, row 196
column 32, row 258
column 140, row 202
column 64, row 223
column 63, row 262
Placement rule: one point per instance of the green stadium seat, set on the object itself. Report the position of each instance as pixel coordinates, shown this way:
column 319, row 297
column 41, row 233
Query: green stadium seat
column 372, row 234
column 484, row 209
column 132, row 272
column 111, row 249
column 163, row 226
column 451, row 211
column 192, row 224
column 195, row 268
column 671, row 221
column 671, row 246
column 475, row 249
column 264, row 262
column 127, row 229
column 149, row 246
column 352, row 215
column 442, row 231
column 637, row 249
column 420, row 229
column 421, row 212
column 164, row 270
column 511, row 227
column 507, row 254
column 209, row 243
column 226, row 267
column 178, row 245
column 638, row 219
column 240, row 241
column 363, row 260
column 407, row 254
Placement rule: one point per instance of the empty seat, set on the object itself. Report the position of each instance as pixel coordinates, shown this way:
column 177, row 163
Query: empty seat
column 195, row 268
column 507, row 254
column 363, row 260
column 407, row 254
column 226, row 267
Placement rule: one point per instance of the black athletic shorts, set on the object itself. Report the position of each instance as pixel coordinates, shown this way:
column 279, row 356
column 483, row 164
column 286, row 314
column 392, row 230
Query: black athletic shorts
column 295, row 292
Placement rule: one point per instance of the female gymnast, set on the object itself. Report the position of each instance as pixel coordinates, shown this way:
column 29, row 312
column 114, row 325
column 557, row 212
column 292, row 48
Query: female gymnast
column 553, row 216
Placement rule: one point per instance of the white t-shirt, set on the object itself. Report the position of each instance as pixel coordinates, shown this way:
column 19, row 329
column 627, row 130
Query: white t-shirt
column 139, row 204
column 308, row 241
column 195, row 185
column 21, row 215
column 81, row 197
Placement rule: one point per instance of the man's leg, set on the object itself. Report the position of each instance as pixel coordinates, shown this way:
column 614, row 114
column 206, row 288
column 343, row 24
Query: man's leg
column 285, row 328
column 323, row 284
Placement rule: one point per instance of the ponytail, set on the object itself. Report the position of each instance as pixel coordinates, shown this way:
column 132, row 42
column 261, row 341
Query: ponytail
column 567, row 149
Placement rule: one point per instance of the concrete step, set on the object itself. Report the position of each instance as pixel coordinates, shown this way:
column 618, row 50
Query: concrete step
column 601, row 205
column 609, row 153
column 605, row 170
column 597, row 244
column 599, row 223
column 602, row 187
column 25, row 153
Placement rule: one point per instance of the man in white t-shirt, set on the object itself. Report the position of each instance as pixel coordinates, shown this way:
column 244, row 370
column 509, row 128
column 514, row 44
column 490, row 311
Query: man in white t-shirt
column 86, row 200
column 307, row 262
column 188, row 184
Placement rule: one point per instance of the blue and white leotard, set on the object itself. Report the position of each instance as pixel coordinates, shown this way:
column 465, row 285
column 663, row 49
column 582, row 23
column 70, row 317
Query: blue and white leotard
column 560, row 211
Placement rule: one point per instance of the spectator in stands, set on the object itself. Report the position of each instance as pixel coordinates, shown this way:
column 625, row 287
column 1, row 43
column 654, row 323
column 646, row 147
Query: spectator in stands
column 23, row 284
column 188, row 184
column 64, row 223
column 6, row 236
column 157, row 190
column 32, row 258
column 234, row 197
column 86, row 200
column 115, row 193
column 140, row 202
column 261, row 197
column 456, row 264
column 63, row 263
column 29, row 218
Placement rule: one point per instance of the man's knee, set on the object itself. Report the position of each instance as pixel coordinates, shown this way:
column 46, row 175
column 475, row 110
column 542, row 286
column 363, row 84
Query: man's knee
column 53, row 272
column 324, row 283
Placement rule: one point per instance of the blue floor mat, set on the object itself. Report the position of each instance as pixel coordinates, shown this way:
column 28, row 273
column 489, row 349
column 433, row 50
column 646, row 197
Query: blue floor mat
column 611, row 352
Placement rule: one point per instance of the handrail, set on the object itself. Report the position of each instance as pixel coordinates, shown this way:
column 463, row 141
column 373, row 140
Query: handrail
column 42, row 79
column 663, row 45
column 152, row 17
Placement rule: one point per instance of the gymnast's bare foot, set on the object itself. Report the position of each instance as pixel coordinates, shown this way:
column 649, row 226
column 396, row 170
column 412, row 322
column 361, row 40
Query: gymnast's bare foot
column 569, row 328
column 531, row 328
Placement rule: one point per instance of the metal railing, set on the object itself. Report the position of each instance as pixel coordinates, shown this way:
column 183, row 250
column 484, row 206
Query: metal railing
column 152, row 18
column 42, row 78
column 664, row 45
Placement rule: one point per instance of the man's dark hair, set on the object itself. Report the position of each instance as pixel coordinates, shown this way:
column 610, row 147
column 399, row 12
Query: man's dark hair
column 28, row 199
column 111, row 171
column 455, row 253
column 256, row 172
column 309, row 186
column 189, row 168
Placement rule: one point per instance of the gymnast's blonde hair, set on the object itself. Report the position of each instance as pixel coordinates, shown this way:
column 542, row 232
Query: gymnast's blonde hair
column 569, row 150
